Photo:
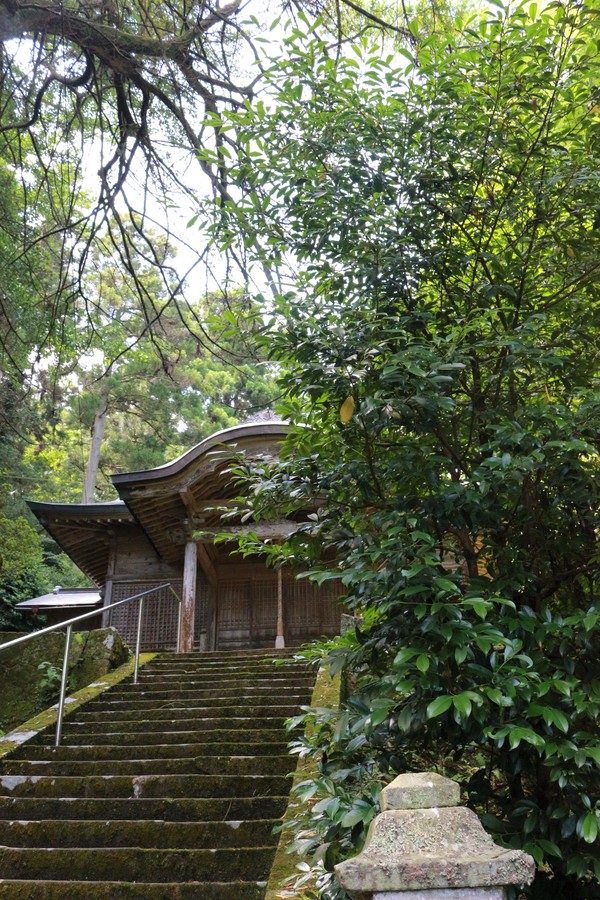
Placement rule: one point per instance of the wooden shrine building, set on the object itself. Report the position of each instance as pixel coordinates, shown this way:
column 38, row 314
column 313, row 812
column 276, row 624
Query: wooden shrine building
column 159, row 530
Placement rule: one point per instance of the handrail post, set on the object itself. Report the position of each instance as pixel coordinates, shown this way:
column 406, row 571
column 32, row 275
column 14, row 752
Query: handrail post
column 63, row 687
column 138, row 641
column 69, row 625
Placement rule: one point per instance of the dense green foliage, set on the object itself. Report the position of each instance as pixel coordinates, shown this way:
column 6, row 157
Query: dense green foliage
column 441, row 218
column 149, row 391
column 102, row 333
column 159, row 398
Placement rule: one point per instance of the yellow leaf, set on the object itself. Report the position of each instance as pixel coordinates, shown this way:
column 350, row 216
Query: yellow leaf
column 347, row 409
column 570, row 252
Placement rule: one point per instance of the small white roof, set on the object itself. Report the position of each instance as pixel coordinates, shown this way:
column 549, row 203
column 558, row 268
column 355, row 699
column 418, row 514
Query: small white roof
column 63, row 598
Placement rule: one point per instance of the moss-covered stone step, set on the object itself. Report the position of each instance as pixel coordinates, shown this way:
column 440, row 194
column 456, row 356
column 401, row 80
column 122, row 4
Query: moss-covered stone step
column 219, row 678
column 246, row 651
column 217, row 670
column 143, row 786
column 128, row 833
column 171, row 725
column 200, row 809
column 268, row 658
column 165, row 789
column 170, row 680
column 236, row 736
column 114, row 890
column 85, row 752
column 136, row 864
column 185, row 700
column 187, row 711
column 216, row 765
column 243, row 660
column 205, row 660
column 235, row 668
column 257, row 690
column 269, row 652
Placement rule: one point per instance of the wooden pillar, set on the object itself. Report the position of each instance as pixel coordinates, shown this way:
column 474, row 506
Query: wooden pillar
column 188, row 600
column 279, row 640
column 110, row 574
column 215, row 619
column 207, row 567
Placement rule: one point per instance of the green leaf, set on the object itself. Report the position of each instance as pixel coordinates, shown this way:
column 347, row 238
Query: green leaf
column 516, row 735
column 550, row 848
column 559, row 719
column 590, row 828
column 445, row 585
column 495, row 695
column 353, row 818
column 439, row 706
column 594, row 753
column 480, row 607
column 460, row 654
column 462, row 703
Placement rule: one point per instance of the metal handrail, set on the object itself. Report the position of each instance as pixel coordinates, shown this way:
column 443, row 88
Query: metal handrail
column 70, row 622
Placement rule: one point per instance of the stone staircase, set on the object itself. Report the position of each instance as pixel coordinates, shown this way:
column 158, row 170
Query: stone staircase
column 166, row 789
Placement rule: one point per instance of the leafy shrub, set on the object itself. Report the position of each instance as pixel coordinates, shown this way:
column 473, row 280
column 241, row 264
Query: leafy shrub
column 49, row 683
column 505, row 701
column 439, row 351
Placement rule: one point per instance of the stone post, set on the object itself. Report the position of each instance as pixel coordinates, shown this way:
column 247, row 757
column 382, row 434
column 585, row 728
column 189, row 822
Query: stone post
column 424, row 846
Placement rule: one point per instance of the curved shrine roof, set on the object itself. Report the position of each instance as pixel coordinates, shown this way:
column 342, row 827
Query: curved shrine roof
column 167, row 502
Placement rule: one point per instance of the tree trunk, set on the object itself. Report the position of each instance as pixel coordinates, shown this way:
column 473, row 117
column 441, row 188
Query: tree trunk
column 93, row 462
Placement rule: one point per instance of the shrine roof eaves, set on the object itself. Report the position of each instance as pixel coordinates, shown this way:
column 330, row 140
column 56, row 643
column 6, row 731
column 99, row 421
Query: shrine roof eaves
column 113, row 509
column 225, row 437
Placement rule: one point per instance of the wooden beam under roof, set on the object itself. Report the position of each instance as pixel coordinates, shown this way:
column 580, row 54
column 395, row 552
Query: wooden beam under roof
column 206, row 565
column 277, row 531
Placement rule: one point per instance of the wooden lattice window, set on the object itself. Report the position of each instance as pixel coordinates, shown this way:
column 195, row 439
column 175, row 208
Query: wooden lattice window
column 159, row 625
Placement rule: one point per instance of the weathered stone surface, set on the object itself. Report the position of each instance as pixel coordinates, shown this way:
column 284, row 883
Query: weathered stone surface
column 480, row 893
column 102, row 651
column 420, row 790
column 92, row 654
column 47, row 719
column 431, row 849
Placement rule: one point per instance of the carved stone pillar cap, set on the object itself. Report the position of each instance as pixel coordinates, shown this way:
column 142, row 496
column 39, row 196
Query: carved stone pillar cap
column 420, row 790
column 430, row 848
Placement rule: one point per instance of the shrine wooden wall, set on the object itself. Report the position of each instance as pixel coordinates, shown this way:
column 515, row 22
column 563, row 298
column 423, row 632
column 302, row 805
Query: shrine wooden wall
column 240, row 612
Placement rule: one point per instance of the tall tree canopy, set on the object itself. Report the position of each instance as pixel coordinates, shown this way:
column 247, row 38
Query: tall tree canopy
column 121, row 97
column 440, row 337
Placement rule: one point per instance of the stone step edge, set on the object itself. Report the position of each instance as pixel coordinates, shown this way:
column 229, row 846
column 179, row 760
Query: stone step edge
column 218, row 766
column 41, row 764
column 16, row 808
column 189, row 713
column 81, row 737
column 208, row 822
column 147, row 727
column 120, row 890
column 136, row 864
column 45, row 753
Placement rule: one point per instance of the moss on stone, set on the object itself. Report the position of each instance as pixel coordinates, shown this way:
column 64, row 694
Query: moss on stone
column 92, row 654
column 326, row 693
column 48, row 717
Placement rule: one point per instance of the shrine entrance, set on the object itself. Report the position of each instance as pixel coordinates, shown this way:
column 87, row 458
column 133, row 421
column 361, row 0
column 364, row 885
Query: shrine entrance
column 164, row 529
